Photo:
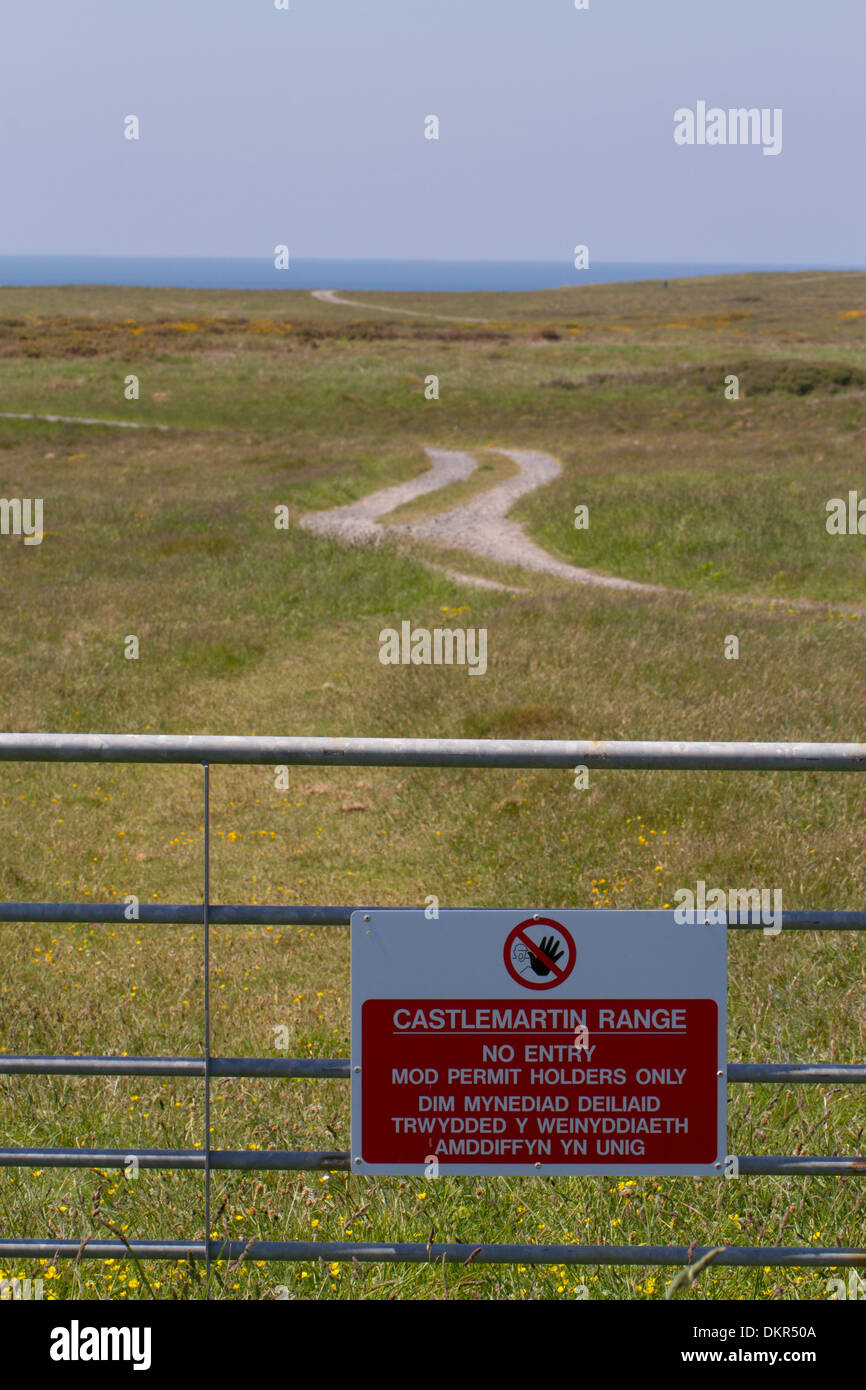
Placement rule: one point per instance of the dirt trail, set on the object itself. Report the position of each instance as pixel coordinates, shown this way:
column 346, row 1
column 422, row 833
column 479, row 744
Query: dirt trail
column 479, row 525
column 84, row 420
column 356, row 521
column 331, row 297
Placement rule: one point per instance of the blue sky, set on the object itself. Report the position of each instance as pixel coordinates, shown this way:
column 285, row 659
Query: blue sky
column 306, row 127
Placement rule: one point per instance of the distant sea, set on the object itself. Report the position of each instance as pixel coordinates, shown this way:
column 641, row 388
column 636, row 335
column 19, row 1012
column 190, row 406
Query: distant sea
column 236, row 273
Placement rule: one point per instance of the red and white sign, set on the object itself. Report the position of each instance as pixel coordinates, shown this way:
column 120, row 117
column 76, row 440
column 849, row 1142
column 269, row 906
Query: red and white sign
column 539, row 953
column 617, row 1067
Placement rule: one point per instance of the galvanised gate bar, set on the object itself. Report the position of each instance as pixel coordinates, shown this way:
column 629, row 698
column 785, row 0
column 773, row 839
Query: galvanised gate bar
column 390, row 752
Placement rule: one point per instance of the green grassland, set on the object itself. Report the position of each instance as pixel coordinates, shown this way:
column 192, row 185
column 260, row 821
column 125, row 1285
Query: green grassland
column 169, row 535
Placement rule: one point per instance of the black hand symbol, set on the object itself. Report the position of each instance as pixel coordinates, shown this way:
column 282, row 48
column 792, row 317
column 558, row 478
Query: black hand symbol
column 551, row 949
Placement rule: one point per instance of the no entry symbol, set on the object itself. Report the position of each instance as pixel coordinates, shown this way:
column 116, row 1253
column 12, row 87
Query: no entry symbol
column 539, row 953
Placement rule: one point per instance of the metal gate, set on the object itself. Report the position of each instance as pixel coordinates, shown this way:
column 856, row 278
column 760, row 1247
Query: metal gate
column 382, row 752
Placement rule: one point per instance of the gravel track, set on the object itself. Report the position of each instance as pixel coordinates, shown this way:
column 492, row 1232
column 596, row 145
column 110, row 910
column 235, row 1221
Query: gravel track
column 84, row 420
column 479, row 526
column 356, row 522
column 331, row 297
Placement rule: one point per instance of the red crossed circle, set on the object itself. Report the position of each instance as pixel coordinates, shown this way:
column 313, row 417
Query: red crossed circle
column 559, row 970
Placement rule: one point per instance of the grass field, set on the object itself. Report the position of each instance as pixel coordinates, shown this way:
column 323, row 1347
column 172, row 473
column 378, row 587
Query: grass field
column 243, row 628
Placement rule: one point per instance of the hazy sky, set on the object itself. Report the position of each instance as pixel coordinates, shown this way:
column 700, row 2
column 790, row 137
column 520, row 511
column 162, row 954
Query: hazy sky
column 306, row 127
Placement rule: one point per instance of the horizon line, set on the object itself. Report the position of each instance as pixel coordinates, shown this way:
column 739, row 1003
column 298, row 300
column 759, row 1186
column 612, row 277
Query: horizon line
column 398, row 260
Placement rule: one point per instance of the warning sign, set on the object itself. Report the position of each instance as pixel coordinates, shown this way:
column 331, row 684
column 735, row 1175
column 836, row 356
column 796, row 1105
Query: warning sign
column 539, row 953
column 619, row 1067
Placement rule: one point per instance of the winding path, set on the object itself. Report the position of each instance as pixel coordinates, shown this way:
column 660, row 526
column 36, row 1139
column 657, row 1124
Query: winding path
column 480, row 525
column 356, row 521
column 84, row 420
column 331, row 297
